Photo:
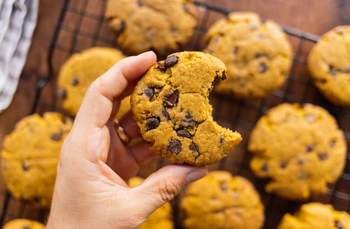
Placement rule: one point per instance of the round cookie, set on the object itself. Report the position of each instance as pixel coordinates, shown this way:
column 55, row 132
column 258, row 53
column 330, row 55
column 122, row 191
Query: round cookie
column 316, row 216
column 161, row 218
column 221, row 200
column 299, row 148
column 79, row 71
column 160, row 25
column 257, row 54
column 23, row 224
column 329, row 65
column 30, row 155
column 171, row 106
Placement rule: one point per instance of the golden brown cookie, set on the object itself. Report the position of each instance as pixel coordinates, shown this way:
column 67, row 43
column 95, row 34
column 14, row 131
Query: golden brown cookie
column 257, row 54
column 299, row 148
column 316, row 216
column 30, row 155
column 171, row 106
column 221, row 200
column 329, row 64
column 160, row 218
column 80, row 70
column 160, row 25
column 23, row 224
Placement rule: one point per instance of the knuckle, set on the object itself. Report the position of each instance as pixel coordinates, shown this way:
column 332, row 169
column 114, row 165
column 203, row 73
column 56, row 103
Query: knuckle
column 168, row 190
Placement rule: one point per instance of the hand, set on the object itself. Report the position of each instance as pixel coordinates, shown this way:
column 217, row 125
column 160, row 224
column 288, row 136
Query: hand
column 90, row 190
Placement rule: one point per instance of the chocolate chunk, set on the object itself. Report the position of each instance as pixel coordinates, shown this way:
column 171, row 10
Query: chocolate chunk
column 332, row 142
column 149, row 92
column 221, row 139
column 235, row 50
column 57, row 136
column 262, row 68
column 283, row 164
column 171, row 99
column 223, row 185
column 171, row 61
column 174, row 146
column 194, row 148
column 161, row 66
column 61, row 93
column 183, row 133
column 188, row 120
column 152, row 123
column 322, row 156
column 165, row 113
column 75, row 81
column 25, row 166
column 338, row 224
column 264, row 167
column 310, row 148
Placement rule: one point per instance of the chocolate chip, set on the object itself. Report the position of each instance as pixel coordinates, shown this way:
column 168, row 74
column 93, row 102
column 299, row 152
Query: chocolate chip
column 262, row 68
column 25, row 227
column 149, row 92
column 223, row 186
column 258, row 55
column 61, row 93
column 171, row 99
column 310, row 148
column 283, row 164
column 165, row 113
column 194, row 148
column 171, row 61
column 25, row 166
column 333, row 70
column 235, row 50
column 183, row 133
column 264, row 167
column 332, row 142
column 221, row 139
column 161, row 66
column 75, row 81
column 188, row 120
column 152, row 123
column 174, row 146
column 338, row 224
column 310, row 118
column 57, row 136
column 322, row 156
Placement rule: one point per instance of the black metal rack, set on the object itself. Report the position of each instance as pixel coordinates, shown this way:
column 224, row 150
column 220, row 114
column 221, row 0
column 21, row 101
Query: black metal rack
column 82, row 24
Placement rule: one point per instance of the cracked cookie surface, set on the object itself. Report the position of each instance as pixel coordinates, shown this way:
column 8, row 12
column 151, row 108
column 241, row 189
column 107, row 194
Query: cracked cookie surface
column 316, row 216
column 30, row 155
column 299, row 148
column 161, row 218
column 23, row 224
column 329, row 64
column 221, row 200
column 80, row 70
column 171, row 106
column 160, row 25
column 257, row 54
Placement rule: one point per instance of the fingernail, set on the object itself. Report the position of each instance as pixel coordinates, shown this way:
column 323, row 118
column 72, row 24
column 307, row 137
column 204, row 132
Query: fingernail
column 147, row 53
column 195, row 175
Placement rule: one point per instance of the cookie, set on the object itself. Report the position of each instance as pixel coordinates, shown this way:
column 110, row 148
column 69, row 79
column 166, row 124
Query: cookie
column 160, row 25
column 23, row 224
column 161, row 218
column 221, row 200
column 30, row 154
column 257, row 54
column 299, row 148
column 79, row 71
column 329, row 65
column 316, row 216
column 171, row 106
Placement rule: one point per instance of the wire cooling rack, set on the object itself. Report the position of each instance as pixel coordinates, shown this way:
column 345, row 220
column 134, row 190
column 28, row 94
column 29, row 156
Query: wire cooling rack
column 82, row 25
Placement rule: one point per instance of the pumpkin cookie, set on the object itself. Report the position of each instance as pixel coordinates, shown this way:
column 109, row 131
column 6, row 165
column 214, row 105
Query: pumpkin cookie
column 171, row 107
column 316, row 216
column 221, row 200
column 79, row 71
column 160, row 25
column 300, row 148
column 23, row 224
column 329, row 64
column 257, row 54
column 30, row 155
column 160, row 218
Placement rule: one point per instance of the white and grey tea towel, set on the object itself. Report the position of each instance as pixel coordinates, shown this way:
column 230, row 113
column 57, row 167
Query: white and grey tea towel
column 18, row 19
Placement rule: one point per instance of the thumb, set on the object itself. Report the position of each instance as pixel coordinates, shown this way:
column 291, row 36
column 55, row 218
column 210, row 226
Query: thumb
column 163, row 185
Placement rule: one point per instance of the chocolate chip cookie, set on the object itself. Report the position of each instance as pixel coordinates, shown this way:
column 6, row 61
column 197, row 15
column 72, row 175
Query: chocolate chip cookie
column 23, row 224
column 221, row 200
column 160, row 25
column 79, row 71
column 257, row 54
column 316, row 216
column 30, row 155
column 299, row 148
column 160, row 218
column 329, row 64
column 171, row 106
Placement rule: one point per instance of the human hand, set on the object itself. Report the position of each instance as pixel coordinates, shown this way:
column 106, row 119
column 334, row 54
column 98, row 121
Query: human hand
column 90, row 190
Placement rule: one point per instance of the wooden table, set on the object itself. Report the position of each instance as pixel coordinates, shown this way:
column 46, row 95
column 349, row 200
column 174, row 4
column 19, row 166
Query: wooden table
column 313, row 16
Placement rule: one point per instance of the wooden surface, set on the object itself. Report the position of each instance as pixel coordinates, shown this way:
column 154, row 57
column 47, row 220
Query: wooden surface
column 313, row 16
